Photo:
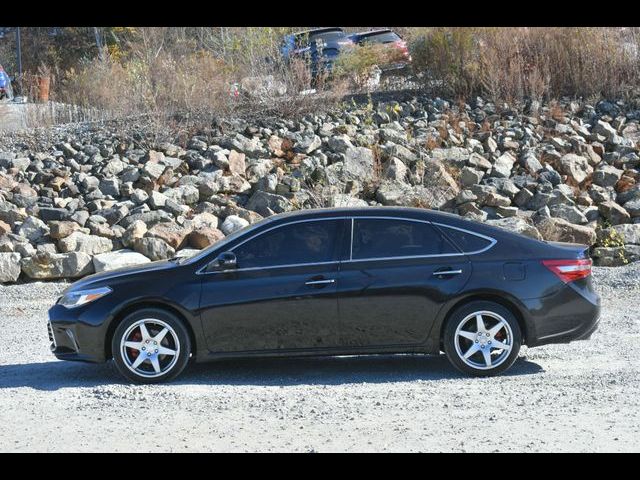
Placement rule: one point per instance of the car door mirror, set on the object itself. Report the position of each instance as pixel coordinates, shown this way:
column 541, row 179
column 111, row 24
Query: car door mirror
column 224, row 261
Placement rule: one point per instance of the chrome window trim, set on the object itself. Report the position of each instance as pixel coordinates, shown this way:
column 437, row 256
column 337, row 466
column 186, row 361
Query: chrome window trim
column 492, row 241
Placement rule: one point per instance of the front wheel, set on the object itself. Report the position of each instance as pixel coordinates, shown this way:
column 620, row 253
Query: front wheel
column 151, row 346
column 482, row 338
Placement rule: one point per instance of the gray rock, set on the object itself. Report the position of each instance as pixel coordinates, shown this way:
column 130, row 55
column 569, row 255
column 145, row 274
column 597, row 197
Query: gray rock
column 614, row 213
column 503, row 165
column 358, row 164
column 339, row 143
column 267, row 204
column 233, row 223
column 607, row 176
column 153, row 248
column 470, row 176
column 33, row 229
column 9, row 267
column 517, row 225
column 118, row 259
column 81, row 242
column 569, row 213
column 47, row 266
column 576, row 167
column 395, row 170
column 559, row 230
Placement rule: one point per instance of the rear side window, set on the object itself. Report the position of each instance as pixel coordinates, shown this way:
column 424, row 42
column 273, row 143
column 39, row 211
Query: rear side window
column 385, row 37
column 465, row 241
column 380, row 238
column 303, row 242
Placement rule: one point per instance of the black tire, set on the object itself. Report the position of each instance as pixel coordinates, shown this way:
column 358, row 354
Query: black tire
column 456, row 346
column 176, row 339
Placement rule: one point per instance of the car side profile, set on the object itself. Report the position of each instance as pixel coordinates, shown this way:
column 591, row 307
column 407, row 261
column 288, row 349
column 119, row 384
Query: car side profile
column 341, row 281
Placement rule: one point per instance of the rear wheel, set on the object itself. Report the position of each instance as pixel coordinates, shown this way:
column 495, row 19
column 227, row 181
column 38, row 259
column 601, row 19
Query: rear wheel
column 482, row 338
column 151, row 346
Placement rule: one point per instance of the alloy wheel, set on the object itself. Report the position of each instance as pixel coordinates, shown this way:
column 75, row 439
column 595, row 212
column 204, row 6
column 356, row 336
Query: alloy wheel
column 483, row 340
column 150, row 348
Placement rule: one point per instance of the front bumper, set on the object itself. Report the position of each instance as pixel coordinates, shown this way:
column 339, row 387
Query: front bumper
column 75, row 334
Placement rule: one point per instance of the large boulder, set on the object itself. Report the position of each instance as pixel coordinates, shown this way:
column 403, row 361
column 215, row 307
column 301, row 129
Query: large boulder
column 205, row 236
column 358, row 164
column 153, row 248
column 267, row 204
column 517, row 225
column 558, row 230
column 172, row 233
column 81, row 242
column 613, row 212
column 50, row 266
column 9, row 267
column 33, row 229
column 233, row 223
column 503, row 165
column 118, row 259
column 575, row 167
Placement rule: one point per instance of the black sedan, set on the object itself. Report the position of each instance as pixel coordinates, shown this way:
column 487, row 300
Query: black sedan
column 335, row 282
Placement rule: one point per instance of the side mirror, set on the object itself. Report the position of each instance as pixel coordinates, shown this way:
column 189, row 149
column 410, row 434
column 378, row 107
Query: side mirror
column 224, row 261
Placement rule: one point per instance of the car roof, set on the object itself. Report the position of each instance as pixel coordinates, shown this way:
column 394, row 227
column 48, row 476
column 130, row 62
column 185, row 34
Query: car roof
column 409, row 212
column 318, row 30
column 372, row 32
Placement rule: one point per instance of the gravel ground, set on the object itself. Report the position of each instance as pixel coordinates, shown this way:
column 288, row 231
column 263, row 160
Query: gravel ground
column 584, row 396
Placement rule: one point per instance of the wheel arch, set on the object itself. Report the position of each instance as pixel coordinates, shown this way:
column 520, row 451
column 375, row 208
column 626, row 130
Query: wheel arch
column 500, row 298
column 125, row 310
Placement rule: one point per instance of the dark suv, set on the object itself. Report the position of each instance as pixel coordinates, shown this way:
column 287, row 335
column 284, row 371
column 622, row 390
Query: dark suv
column 320, row 47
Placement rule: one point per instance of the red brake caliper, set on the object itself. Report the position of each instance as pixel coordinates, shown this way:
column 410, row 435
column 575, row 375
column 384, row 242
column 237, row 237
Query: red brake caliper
column 135, row 337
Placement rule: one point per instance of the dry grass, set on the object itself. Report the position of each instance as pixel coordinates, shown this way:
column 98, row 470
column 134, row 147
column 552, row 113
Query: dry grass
column 511, row 64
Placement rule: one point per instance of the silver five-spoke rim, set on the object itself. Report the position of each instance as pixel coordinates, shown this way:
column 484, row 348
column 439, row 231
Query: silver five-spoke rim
column 483, row 340
column 150, row 348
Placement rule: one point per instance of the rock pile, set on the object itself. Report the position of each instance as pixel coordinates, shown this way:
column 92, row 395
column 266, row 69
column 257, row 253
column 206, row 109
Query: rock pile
column 87, row 198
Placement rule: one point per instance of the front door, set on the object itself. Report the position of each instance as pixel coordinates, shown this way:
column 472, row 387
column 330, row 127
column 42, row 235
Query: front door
column 282, row 295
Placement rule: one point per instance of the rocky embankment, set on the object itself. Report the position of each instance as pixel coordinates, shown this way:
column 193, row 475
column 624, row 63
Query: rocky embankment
column 87, row 197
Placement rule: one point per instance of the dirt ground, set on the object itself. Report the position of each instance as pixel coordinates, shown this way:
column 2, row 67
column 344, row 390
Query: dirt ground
column 584, row 396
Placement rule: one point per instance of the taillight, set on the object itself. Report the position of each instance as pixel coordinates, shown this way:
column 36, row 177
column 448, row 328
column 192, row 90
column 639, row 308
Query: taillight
column 569, row 270
column 402, row 45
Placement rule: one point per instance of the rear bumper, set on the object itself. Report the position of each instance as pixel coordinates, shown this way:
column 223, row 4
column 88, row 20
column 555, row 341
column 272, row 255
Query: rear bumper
column 567, row 315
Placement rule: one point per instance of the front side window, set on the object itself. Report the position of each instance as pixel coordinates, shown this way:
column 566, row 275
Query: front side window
column 303, row 242
column 381, row 238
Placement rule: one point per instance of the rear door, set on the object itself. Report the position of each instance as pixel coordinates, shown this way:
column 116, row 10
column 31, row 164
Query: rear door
column 399, row 273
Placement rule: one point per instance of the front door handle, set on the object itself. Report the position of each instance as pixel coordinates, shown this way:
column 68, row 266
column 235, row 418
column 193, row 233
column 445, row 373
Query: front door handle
column 443, row 272
column 320, row 282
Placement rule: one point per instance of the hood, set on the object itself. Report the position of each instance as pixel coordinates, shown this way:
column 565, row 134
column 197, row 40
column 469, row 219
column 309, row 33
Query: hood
column 103, row 278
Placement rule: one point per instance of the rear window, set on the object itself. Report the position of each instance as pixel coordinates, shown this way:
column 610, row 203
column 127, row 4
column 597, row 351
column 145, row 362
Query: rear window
column 381, row 238
column 384, row 37
column 465, row 241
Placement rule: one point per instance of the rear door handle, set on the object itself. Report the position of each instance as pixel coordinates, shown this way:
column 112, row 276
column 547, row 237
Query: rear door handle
column 320, row 282
column 439, row 273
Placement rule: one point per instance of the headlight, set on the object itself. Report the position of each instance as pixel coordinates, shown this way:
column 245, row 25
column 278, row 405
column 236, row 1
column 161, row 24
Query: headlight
column 81, row 297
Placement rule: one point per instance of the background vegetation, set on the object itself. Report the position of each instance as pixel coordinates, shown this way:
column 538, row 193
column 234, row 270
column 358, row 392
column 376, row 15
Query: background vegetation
column 198, row 70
